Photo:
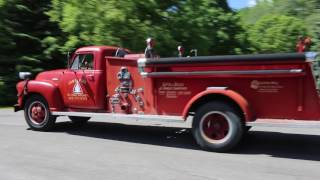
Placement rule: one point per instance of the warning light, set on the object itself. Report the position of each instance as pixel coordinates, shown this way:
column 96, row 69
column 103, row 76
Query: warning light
column 181, row 51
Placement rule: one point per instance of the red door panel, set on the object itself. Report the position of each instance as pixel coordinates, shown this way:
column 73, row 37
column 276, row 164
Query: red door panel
column 81, row 84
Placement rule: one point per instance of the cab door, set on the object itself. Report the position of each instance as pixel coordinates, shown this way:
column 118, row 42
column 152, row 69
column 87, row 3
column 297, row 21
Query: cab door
column 80, row 83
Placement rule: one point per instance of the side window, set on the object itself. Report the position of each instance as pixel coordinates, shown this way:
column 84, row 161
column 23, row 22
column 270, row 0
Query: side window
column 86, row 61
column 83, row 61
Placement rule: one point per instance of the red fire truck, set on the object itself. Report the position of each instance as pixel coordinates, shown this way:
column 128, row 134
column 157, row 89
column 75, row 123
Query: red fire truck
column 221, row 94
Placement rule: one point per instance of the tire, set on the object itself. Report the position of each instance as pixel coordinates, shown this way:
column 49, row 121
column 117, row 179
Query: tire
column 37, row 114
column 79, row 120
column 217, row 127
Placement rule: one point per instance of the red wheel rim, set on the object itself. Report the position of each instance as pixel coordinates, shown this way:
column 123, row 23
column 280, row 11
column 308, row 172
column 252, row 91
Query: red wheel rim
column 215, row 126
column 37, row 112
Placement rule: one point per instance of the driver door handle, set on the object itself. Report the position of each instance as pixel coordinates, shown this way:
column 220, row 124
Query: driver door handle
column 90, row 77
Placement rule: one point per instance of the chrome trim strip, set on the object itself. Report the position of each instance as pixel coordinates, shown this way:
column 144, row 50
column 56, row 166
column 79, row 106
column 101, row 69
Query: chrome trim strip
column 132, row 119
column 227, row 59
column 284, row 123
column 142, row 62
column 240, row 72
column 217, row 88
column 144, row 74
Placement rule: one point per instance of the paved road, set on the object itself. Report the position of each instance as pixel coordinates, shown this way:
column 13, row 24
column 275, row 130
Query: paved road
column 110, row 151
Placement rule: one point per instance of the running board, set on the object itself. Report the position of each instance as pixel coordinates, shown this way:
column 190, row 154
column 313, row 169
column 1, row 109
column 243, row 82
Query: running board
column 284, row 123
column 179, row 122
column 133, row 119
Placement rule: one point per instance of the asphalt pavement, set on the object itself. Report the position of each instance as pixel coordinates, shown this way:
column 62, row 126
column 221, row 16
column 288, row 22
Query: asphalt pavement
column 109, row 151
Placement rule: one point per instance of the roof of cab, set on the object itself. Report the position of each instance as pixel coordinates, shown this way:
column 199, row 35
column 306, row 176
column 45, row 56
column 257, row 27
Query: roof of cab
column 96, row 48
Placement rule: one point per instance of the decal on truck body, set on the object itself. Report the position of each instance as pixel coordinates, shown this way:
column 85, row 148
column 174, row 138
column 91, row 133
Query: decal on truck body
column 77, row 88
column 266, row 86
column 77, row 91
column 173, row 90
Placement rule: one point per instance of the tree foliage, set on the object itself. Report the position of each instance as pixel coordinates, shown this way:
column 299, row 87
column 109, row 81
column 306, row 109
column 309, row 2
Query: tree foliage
column 275, row 33
column 208, row 25
column 303, row 12
column 24, row 29
column 108, row 22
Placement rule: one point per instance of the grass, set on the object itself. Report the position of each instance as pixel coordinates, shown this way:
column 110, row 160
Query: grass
column 5, row 107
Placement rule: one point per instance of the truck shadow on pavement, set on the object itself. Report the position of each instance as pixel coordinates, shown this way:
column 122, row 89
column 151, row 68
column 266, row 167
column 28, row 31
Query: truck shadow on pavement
column 161, row 136
column 274, row 144
column 282, row 145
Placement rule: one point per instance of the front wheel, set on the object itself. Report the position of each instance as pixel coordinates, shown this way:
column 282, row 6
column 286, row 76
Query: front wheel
column 217, row 126
column 37, row 114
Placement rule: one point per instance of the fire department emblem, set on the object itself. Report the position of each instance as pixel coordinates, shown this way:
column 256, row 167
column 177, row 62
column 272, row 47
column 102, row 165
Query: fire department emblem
column 77, row 88
column 254, row 84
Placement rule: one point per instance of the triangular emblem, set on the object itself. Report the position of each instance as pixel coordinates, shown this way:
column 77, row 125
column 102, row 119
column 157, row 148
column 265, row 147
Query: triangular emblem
column 77, row 88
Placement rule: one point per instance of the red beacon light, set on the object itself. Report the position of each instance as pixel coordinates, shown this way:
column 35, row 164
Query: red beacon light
column 150, row 42
column 303, row 44
column 181, row 51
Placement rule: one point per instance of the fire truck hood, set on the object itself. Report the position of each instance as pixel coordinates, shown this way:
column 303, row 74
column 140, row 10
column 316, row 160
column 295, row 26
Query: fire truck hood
column 53, row 75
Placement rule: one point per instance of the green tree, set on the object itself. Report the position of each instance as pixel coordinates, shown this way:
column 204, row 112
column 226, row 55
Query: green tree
column 24, row 33
column 108, row 22
column 207, row 25
column 296, row 8
column 272, row 34
column 305, row 11
column 251, row 15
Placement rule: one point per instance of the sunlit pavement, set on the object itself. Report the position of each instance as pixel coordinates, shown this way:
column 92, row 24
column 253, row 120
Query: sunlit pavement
column 102, row 150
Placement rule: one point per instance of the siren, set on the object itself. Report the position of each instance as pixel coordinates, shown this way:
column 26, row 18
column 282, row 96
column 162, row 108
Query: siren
column 149, row 52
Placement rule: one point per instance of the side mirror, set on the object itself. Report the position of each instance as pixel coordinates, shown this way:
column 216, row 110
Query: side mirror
column 25, row 75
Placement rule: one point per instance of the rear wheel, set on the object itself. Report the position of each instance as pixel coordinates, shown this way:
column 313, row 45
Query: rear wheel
column 79, row 120
column 217, row 126
column 37, row 114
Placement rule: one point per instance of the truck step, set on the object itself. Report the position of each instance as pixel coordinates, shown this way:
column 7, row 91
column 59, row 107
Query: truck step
column 178, row 122
column 285, row 123
column 133, row 119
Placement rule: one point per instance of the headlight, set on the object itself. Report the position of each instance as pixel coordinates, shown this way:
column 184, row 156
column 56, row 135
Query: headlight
column 24, row 75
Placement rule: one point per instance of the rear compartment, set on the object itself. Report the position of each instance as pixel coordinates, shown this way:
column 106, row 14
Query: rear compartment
column 278, row 86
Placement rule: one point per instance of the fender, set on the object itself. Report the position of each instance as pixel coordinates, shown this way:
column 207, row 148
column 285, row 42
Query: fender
column 236, row 97
column 49, row 91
